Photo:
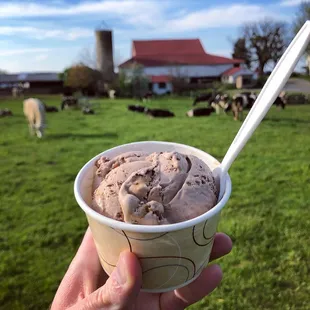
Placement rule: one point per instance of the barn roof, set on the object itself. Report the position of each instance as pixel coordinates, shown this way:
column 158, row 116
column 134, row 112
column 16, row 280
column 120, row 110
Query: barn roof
column 167, row 47
column 160, row 78
column 152, row 53
column 30, row 77
column 162, row 60
column 237, row 71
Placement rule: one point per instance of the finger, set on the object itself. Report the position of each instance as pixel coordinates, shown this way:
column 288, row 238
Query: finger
column 222, row 245
column 84, row 271
column 121, row 289
column 181, row 298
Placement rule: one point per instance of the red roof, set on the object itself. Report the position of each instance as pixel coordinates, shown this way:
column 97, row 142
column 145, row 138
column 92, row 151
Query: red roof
column 160, row 78
column 231, row 71
column 167, row 47
column 168, row 52
column 162, row 60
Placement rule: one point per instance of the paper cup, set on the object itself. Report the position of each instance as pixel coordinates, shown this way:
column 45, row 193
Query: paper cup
column 171, row 256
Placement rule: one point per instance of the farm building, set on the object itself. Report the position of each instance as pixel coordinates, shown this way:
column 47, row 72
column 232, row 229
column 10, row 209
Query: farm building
column 162, row 60
column 238, row 76
column 35, row 83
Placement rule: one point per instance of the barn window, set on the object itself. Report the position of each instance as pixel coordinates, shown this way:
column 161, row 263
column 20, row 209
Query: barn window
column 162, row 85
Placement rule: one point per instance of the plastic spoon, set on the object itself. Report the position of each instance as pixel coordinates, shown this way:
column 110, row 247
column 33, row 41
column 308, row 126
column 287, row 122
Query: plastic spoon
column 266, row 98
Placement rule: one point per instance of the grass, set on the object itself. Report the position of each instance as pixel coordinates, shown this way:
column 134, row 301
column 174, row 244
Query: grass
column 267, row 216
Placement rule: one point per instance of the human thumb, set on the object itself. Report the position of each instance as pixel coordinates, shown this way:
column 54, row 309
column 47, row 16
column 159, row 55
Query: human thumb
column 121, row 289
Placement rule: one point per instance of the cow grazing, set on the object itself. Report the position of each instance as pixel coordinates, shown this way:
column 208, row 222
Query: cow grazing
column 49, row 109
column 237, row 108
column 247, row 99
column 88, row 111
column 280, row 102
column 204, row 98
column 158, row 113
column 69, row 102
column 221, row 103
column 112, row 93
column 199, row 112
column 136, row 108
column 147, row 97
column 5, row 112
column 34, row 111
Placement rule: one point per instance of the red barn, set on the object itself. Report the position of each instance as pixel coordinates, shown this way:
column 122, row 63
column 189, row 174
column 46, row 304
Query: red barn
column 164, row 59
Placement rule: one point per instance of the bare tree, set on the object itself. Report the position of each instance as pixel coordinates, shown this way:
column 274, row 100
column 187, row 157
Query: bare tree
column 87, row 56
column 266, row 40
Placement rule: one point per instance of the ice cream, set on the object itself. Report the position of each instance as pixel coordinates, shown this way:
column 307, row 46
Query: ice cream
column 152, row 189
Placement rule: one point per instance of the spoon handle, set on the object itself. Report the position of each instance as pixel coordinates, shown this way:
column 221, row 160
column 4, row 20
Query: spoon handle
column 269, row 93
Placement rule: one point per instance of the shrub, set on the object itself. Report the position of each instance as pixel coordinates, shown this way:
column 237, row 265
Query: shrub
column 297, row 98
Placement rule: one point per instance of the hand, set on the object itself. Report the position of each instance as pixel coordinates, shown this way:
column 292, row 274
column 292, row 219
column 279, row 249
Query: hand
column 87, row 286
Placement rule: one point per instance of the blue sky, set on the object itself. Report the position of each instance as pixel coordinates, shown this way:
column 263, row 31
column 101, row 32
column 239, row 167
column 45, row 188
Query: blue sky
column 50, row 35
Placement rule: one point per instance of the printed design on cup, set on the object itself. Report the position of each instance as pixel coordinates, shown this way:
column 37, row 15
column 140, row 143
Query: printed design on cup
column 206, row 239
column 174, row 259
column 205, row 261
column 100, row 256
column 167, row 265
column 139, row 239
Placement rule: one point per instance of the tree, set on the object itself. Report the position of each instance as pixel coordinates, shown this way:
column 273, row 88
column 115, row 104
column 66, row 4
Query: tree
column 266, row 41
column 302, row 16
column 88, row 57
column 241, row 51
column 3, row 71
column 81, row 77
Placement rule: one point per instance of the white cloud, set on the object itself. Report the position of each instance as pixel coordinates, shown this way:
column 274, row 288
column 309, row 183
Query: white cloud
column 234, row 15
column 40, row 33
column 146, row 15
column 13, row 52
column 292, row 2
column 133, row 9
column 41, row 57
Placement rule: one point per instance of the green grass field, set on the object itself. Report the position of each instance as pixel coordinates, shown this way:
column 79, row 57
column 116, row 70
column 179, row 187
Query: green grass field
column 267, row 217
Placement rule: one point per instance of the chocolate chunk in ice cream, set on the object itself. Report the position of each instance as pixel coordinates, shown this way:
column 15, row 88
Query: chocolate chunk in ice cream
column 152, row 189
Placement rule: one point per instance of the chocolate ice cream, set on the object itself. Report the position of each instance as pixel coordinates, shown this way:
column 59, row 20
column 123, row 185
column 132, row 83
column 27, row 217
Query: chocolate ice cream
column 152, row 189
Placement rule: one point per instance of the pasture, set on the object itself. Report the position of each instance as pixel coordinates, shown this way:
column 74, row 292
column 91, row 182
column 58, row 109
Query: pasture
column 267, row 216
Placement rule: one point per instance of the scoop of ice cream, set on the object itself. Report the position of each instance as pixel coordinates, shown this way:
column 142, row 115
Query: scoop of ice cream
column 152, row 189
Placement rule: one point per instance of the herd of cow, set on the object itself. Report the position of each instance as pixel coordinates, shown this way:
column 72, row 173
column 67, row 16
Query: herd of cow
column 34, row 109
column 216, row 103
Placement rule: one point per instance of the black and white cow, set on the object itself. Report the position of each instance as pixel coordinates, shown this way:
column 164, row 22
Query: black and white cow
column 247, row 99
column 199, row 112
column 158, row 113
column 136, row 108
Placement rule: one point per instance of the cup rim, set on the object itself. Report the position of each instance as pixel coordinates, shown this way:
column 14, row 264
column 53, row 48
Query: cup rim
column 146, row 228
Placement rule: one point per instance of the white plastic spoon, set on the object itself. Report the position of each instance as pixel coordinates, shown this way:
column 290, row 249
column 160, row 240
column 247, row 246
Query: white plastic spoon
column 266, row 98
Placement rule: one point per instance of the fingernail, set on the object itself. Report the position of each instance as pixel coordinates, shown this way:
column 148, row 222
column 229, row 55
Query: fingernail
column 120, row 272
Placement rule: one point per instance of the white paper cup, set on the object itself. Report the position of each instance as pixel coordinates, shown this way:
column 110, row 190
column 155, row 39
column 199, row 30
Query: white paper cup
column 171, row 256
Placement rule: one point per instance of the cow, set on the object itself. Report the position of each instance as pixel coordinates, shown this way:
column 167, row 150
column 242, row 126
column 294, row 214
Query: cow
column 34, row 111
column 209, row 97
column 112, row 94
column 221, row 102
column 88, row 111
column 5, row 112
column 281, row 100
column 50, row 108
column 136, row 108
column 199, row 112
column 147, row 96
column 68, row 102
column 158, row 113
column 237, row 108
column 247, row 99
